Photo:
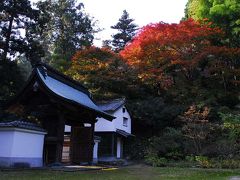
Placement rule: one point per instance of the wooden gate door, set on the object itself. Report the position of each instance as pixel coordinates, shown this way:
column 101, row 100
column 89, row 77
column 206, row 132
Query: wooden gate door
column 81, row 145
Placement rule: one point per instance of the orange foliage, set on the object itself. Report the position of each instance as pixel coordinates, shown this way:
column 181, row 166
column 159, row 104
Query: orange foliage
column 99, row 69
column 93, row 59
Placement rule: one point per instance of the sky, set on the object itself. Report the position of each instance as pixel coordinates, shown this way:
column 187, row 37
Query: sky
column 107, row 12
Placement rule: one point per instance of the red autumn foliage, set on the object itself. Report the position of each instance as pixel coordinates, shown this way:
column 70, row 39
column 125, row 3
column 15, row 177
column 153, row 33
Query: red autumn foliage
column 162, row 48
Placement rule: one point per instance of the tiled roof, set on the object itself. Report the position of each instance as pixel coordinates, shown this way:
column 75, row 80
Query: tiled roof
column 97, row 137
column 68, row 89
column 123, row 133
column 21, row 124
column 112, row 105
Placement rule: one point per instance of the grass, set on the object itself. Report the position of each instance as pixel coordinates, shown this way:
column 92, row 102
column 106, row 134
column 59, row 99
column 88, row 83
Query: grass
column 137, row 172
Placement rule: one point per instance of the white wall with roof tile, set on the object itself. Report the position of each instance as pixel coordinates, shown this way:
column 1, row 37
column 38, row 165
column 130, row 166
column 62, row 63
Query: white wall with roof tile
column 103, row 125
column 21, row 146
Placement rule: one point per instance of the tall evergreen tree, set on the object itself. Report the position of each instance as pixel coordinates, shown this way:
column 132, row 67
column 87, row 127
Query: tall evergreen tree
column 126, row 31
column 68, row 29
column 16, row 16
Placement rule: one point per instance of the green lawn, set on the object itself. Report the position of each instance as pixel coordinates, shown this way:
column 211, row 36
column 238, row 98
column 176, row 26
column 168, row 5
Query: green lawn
column 132, row 172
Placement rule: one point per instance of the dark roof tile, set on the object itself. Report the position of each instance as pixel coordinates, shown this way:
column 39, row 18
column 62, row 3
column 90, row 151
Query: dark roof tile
column 123, row 133
column 22, row 124
column 112, row 105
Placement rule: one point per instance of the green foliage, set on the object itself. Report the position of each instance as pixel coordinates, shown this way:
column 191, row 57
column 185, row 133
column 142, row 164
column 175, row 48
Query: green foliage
column 155, row 161
column 190, row 158
column 212, row 143
column 231, row 122
column 204, row 161
column 16, row 15
column 126, row 31
column 224, row 13
column 233, row 119
column 230, row 163
column 130, row 172
column 139, row 144
column 67, row 30
column 152, row 112
column 24, row 66
column 165, row 147
column 11, row 81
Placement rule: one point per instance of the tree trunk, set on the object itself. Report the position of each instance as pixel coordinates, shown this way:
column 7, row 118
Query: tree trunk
column 8, row 36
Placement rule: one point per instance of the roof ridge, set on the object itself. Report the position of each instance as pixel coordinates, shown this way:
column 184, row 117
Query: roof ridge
column 73, row 83
column 112, row 105
column 22, row 124
column 112, row 100
column 69, row 93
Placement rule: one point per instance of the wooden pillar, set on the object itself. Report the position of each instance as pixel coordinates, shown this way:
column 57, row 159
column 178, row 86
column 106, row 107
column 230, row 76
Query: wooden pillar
column 119, row 147
column 112, row 144
column 76, row 141
column 92, row 143
column 60, row 137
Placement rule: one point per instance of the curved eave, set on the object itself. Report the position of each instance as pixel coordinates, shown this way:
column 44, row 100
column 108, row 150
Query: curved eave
column 97, row 112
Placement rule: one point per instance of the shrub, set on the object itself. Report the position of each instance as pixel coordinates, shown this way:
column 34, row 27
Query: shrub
column 155, row 161
column 190, row 158
column 204, row 161
column 139, row 145
column 230, row 163
column 168, row 145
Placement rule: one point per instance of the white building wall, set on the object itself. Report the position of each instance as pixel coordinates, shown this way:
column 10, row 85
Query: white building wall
column 67, row 128
column 27, row 145
column 103, row 125
column 21, row 146
column 118, row 122
column 6, row 143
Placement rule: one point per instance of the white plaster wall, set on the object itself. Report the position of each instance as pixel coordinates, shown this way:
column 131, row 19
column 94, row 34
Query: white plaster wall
column 118, row 122
column 21, row 146
column 6, row 143
column 67, row 128
column 27, row 145
column 104, row 125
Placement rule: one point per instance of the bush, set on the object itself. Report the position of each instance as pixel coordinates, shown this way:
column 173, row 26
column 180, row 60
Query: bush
column 190, row 158
column 230, row 163
column 155, row 161
column 204, row 162
column 169, row 145
column 160, row 150
column 139, row 145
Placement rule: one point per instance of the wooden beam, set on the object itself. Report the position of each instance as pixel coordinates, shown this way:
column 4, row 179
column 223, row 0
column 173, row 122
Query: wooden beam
column 92, row 147
column 60, row 136
column 112, row 144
